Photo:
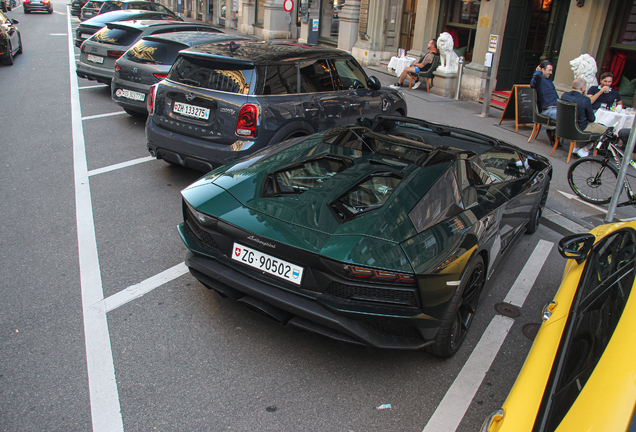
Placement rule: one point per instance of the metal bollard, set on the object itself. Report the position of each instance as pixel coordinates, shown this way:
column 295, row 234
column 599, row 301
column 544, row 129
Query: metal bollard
column 459, row 77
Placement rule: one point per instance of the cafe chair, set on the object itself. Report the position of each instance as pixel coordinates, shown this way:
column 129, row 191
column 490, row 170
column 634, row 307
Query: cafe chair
column 538, row 118
column 428, row 74
column 566, row 128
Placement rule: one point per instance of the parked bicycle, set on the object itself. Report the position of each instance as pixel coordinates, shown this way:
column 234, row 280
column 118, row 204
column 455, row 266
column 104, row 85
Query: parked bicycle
column 594, row 179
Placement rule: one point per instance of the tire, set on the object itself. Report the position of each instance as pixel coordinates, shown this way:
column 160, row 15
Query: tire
column 581, row 177
column 8, row 60
column 20, row 50
column 461, row 311
column 537, row 212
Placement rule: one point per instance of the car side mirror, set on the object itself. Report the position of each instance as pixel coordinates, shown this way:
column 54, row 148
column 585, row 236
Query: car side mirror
column 374, row 83
column 576, row 246
column 14, row 21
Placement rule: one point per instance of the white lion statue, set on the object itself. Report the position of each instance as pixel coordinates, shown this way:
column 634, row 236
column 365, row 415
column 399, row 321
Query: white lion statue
column 584, row 66
column 448, row 58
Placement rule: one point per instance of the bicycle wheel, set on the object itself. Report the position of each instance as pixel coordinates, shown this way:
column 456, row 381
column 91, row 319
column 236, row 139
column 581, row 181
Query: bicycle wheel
column 593, row 180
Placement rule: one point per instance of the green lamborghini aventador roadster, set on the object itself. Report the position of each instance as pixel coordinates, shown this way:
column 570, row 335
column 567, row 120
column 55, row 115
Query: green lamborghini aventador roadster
column 380, row 233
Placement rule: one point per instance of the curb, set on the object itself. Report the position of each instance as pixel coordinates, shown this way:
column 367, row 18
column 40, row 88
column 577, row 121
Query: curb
column 557, row 222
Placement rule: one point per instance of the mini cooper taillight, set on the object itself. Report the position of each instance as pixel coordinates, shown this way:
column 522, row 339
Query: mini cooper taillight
column 247, row 122
column 150, row 102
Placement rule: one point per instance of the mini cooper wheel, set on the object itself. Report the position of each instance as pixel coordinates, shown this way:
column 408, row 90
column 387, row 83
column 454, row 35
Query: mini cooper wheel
column 461, row 311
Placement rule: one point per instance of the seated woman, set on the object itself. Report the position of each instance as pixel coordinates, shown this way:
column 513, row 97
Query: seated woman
column 603, row 93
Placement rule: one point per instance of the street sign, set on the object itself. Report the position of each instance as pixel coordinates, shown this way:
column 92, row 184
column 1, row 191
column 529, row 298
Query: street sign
column 288, row 5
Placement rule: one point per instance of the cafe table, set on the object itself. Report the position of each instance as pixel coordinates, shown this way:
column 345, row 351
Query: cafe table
column 398, row 64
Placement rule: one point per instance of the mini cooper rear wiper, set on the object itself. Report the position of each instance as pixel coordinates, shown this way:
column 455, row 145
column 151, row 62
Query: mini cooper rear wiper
column 191, row 81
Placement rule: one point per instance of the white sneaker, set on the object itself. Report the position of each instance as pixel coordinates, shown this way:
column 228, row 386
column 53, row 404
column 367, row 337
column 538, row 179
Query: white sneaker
column 582, row 152
column 395, row 86
column 417, row 84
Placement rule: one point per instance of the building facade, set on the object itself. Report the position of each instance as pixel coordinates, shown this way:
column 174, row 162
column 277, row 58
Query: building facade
column 374, row 30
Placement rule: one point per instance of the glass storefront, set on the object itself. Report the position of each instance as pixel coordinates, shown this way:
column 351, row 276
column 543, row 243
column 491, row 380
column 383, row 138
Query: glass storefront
column 459, row 18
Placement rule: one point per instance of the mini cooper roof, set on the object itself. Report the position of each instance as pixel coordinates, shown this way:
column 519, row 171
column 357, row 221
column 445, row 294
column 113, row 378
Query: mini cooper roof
column 255, row 52
column 143, row 24
column 189, row 38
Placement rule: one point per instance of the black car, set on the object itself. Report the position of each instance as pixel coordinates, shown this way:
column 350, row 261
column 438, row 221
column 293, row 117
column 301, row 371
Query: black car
column 89, row 27
column 221, row 101
column 10, row 40
column 76, row 7
column 100, row 51
column 37, row 5
column 148, row 62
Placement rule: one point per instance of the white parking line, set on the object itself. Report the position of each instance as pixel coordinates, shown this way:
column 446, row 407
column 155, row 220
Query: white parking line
column 58, row 34
column 452, row 408
column 522, row 286
column 104, row 396
column 120, row 165
column 98, row 116
column 142, row 288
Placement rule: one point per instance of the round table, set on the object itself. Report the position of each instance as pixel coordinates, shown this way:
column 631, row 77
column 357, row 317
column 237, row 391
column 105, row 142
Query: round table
column 621, row 119
column 399, row 63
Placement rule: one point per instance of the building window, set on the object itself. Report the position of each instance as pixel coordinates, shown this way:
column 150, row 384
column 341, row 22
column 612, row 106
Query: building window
column 260, row 13
column 459, row 18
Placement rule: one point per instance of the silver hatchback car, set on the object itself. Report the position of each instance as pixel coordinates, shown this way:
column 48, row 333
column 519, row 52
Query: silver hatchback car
column 100, row 52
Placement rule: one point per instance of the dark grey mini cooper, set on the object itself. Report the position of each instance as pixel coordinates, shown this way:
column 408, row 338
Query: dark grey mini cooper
column 222, row 101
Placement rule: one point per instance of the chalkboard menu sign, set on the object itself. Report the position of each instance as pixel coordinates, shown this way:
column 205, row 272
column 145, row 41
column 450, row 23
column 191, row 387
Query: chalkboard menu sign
column 520, row 106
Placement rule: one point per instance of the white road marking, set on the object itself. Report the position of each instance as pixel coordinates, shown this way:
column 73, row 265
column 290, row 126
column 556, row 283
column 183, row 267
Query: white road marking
column 451, row 410
column 120, row 165
column 453, row 407
column 522, row 286
column 103, row 115
column 142, row 288
column 104, row 397
column 58, row 34
column 92, row 87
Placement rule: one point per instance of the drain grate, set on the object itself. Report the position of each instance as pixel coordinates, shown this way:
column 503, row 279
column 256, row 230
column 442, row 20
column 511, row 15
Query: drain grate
column 506, row 309
column 531, row 330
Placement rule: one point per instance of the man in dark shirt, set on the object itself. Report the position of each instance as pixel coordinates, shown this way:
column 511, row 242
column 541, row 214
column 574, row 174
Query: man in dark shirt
column 546, row 93
column 585, row 119
column 604, row 94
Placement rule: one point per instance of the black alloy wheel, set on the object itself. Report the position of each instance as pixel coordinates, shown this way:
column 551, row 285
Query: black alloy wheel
column 461, row 311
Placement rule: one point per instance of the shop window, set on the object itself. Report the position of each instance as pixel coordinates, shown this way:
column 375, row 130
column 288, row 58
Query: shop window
column 459, row 18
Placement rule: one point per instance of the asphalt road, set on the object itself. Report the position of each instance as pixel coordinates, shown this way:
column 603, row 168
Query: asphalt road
column 101, row 329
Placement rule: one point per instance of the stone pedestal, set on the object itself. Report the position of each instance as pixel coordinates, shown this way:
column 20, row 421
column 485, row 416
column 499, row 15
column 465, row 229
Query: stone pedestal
column 444, row 83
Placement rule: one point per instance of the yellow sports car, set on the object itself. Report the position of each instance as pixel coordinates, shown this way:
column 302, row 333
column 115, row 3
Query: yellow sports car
column 580, row 374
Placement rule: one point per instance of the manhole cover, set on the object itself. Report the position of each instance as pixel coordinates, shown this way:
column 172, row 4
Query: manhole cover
column 506, row 309
column 531, row 330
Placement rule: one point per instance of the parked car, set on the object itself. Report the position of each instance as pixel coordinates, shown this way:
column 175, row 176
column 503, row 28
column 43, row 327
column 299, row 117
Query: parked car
column 148, row 62
column 380, row 233
column 89, row 27
column 225, row 100
column 100, row 51
column 76, row 7
column 90, row 9
column 111, row 5
column 37, row 5
column 10, row 39
column 579, row 374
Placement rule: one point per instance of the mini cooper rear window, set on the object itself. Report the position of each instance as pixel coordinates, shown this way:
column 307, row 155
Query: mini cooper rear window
column 116, row 36
column 302, row 177
column 212, row 74
column 368, row 195
column 152, row 52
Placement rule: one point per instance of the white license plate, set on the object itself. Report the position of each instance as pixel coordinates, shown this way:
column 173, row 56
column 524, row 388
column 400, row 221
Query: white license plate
column 85, row 36
column 95, row 59
column 267, row 263
column 129, row 94
column 191, row 111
